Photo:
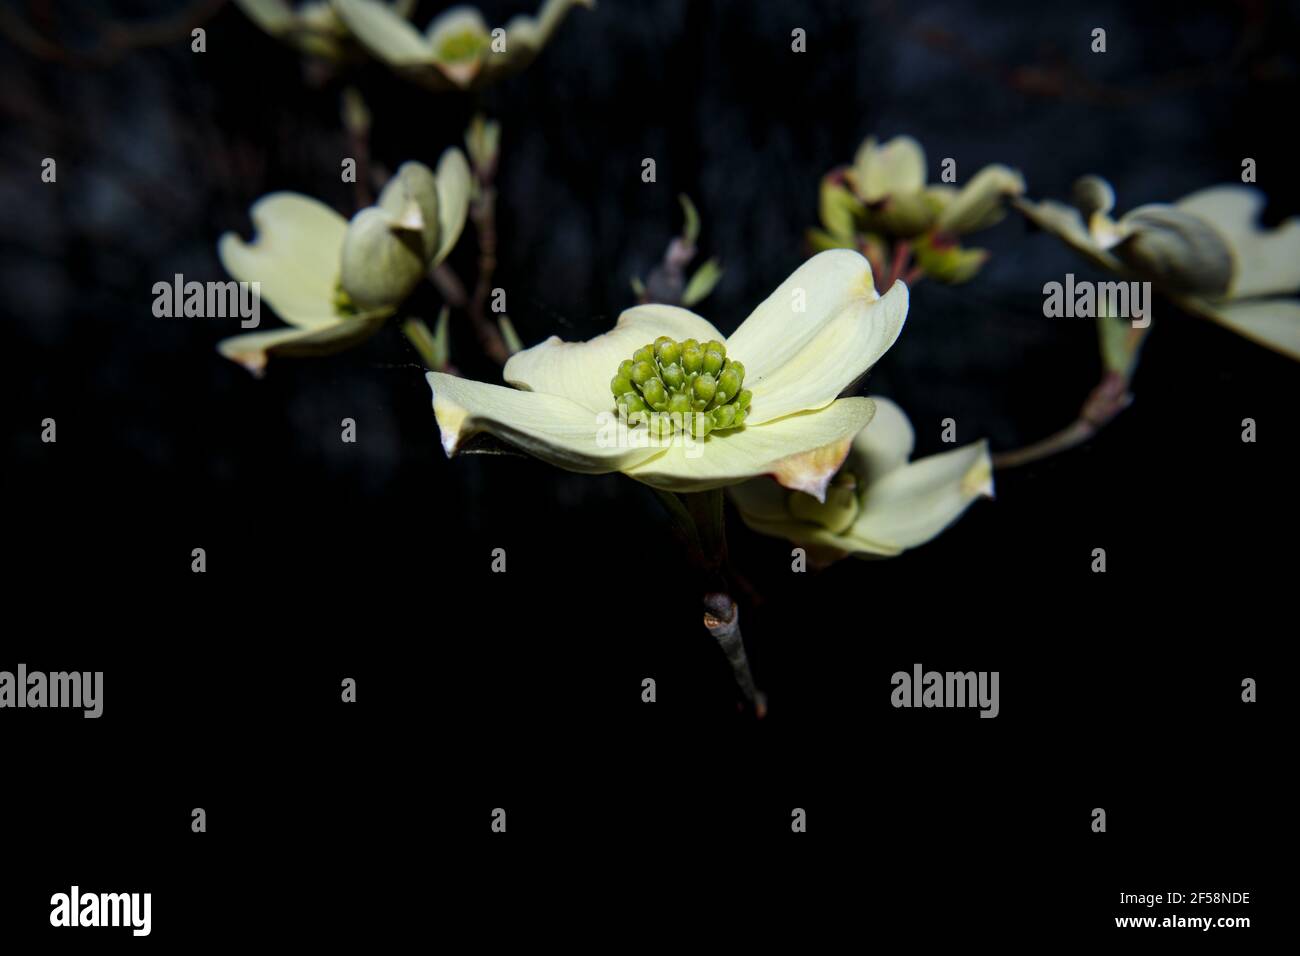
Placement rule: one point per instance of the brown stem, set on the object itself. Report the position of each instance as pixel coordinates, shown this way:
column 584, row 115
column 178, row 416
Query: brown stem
column 902, row 252
column 722, row 618
column 483, row 213
column 449, row 285
column 1108, row 399
column 356, row 122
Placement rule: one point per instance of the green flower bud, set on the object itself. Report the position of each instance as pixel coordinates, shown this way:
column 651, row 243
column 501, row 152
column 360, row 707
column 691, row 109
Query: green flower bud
column 643, row 372
column 655, row 394
column 744, row 398
column 704, row 387
column 670, row 353
column 632, row 402
column 672, row 386
column 728, row 385
column 699, row 425
column 692, row 358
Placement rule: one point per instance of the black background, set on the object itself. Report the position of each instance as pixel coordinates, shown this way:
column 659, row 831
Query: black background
column 522, row 690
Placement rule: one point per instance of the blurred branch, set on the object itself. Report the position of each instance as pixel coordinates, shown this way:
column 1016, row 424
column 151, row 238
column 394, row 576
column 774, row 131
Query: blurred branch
column 356, row 121
column 1053, row 77
column 116, row 40
column 482, row 212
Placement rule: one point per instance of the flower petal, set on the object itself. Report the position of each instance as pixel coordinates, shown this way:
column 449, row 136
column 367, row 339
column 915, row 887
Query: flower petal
column 1179, row 250
column 1273, row 323
column 913, row 504
column 382, row 259
column 884, row 445
column 533, row 33
column 798, row 361
column 253, row 350
column 762, row 504
column 897, row 167
column 454, row 21
column 275, row 17
column 459, row 39
column 581, row 371
column 801, row 451
column 980, row 203
column 1066, row 224
column 554, row 429
column 384, row 33
column 1267, row 260
column 295, row 256
column 455, row 184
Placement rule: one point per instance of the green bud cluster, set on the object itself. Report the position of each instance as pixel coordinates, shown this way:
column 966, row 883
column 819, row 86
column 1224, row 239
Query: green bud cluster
column 694, row 386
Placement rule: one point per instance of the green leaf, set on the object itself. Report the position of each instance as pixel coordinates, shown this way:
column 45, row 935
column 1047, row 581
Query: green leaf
column 691, row 230
column 702, row 283
column 513, row 342
column 434, row 347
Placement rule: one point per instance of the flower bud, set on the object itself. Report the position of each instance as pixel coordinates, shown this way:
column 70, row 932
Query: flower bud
column 669, row 353
column 655, row 394
column 728, row 385
column 642, row 372
column 705, row 387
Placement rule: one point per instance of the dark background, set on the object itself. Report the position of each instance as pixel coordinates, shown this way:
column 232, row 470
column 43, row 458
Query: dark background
column 522, row 690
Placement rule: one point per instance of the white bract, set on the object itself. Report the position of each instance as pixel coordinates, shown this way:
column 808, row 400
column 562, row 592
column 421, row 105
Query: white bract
column 334, row 281
column 1206, row 252
column 458, row 50
column 810, row 340
column 879, row 504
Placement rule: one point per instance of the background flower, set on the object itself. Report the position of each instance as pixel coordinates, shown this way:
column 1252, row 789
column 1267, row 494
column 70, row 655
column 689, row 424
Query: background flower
column 1207, row 252
column 878, row 504
column 457, row 51
column 336, row 281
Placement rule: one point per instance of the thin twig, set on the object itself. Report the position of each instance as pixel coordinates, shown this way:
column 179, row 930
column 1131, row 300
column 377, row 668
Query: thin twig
column 1108, row 399
column 449, row 285
column 116, row 41
column 482, row 212
column 722, row 618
